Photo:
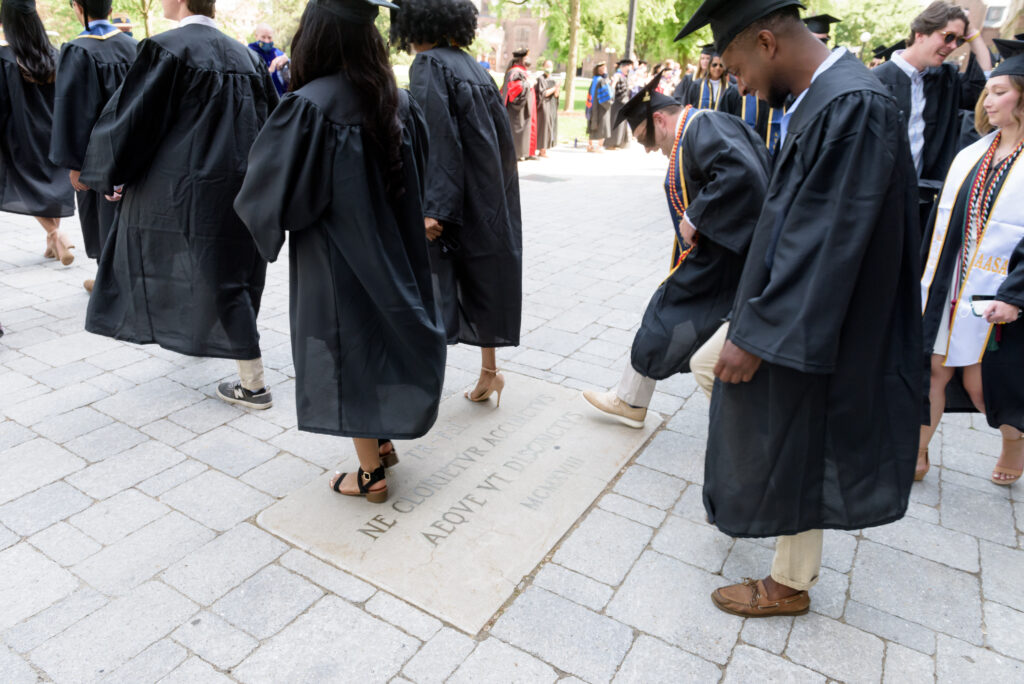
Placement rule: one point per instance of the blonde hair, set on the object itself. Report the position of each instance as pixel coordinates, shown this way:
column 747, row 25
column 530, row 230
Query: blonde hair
column 981, row 122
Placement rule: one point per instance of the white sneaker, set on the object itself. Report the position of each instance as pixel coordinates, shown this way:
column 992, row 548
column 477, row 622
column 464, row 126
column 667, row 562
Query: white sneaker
column 609, row 402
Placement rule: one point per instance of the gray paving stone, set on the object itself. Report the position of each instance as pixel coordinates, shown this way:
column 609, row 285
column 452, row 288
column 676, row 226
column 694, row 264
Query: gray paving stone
column 255, row 426
column 113, row 634
column 839, row 651
column 74, row 347
column 918, row 590
column 282, row 475
column 753, row 665
column 935, row 543
column 215, row 640
column 926, row 492
column 65, row 544
column 128, row 563
column 604, row 546
column 439, row 657
column 573, row 586
column 768, row 635
column 650, row 487
column 838, row 550
column 70, row 425
column 828, row 595
column 494, row 662
column 151, row 665
column 14, row 670
column 147, row 402
column 922, row 512
column 193, row 671
column 172, row 477
column 32, row 464
column 890, row 627
column 118, row 516
column 29, row 633
column 958, row 661
column 110, row 476
column 747, row 559
column 564, row 634
column 979, row 484
column 632, row 509
column 906, row 666
column 118, row 357
column 325, row 451
column 1003, row 629
column 167, row 432
column 672, row 600
column 229, row 450
column 105, row 441
column 7, row 538
column 54, row 403
column 212, row 570
column 31, row 583
column 676, row 454
column 1000, row 574
column 694, row 543
column 42, row 508
column 978, row 513
column 267, row 601
column 12, row 434
column 691, row 504
column 402, row 615
column 307, row 650
column 327, row 576
column 205, row 415
column 216, row 500
column 651, row 661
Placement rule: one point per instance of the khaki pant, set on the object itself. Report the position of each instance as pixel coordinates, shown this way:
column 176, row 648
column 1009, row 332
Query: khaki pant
column 251, row 374
column 635, row 389
column 798, row 557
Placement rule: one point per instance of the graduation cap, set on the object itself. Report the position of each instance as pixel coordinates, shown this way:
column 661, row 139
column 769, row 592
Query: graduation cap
column 899, row 45
column 120, row 20
column 1012, row 52
column 354, row 11
column 708, row 49
column 821, row 23
column 623, row 61
column 879, row 51
column 1018, row 36
column 520, row 53
column 729, row 17
column 22, row 6
column 641, row 107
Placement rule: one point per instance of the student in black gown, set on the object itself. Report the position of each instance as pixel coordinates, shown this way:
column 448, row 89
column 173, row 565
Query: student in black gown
column 714, row 91
column 547, row 110
column 599, row 109
column 682, row 90
column 619, row 83
column 715, row 184
column 814, row 417
column 90, row 69
column 367, row 337
column 180, row 269
column 30, row 183
column 973, row 284
column 471, row 200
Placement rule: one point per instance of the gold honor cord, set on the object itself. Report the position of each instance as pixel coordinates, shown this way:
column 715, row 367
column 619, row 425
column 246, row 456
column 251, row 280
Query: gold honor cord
column 676, row 167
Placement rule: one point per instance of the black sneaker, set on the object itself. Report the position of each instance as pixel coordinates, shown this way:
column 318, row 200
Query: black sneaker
column 234, row 393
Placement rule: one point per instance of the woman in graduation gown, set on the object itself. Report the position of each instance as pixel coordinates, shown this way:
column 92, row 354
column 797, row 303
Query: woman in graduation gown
column 599, row 108
column 714, row 91
column 973, row 284
column 471, row 197
column 29, row 183
column 340, row 166
column 90, row 69
column 181, row 270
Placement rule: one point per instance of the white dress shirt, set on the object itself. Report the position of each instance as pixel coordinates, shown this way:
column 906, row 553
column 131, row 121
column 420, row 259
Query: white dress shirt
column 915, row 126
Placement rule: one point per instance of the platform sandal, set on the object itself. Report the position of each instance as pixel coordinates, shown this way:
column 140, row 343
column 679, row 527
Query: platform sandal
column 365, row 480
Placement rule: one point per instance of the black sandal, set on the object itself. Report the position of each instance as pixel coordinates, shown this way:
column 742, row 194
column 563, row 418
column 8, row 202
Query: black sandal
column 365, row 480
column 390, row 459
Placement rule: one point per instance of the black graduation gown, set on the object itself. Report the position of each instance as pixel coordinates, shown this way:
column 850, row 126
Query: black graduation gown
column 367, row 338
column 30, row 183
column 180, row 269
column 682, row 90
column 730, row 101
column 825, row 435
column 472, row 189
column 1002, row 369
column 619, row 136
column 725, row 168
column 599, row 125
column 90, row 69
column 518, row 111
column 547, row 114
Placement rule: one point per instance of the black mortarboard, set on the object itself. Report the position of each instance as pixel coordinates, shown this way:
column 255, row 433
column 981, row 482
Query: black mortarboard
column 1012, row 52
column 899, row 45
column 355, row 11
column 120, row 19
column 708, row 49
column 22, row 6
column 642, row 106
column 821, row 23
column 520, row 53
column 623, row 61
column 879, row 52
column 729, row 17
column 1018, row 36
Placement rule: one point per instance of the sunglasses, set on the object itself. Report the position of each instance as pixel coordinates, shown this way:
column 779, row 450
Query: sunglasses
column 950, row 37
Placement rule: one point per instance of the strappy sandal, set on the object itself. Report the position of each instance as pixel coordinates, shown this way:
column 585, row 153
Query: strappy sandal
column 1013, row 474
column 498, row 386
column 365, row 480
column 390, row 459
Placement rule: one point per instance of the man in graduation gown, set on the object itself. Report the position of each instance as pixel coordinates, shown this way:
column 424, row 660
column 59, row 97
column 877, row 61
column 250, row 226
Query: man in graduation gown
column 619, row 136
column 932, row 94
column 180, row 269
column 90, row 70
column 599, row 104
column 547, row 110
column 521, row 103
column 717, row 177
column 820, row 26
column 814, row 418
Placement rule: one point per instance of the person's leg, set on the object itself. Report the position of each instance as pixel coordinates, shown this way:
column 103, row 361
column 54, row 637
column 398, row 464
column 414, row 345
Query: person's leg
column 972, row 383
column 251, row 374
column 702, row 363
column 795, row 569
column 940, row 377
column 57, row 244
column 491, row 380
column 628, row 403
column 1011, row 461
column 251, row 389
column 635, row 389
column 368, row 453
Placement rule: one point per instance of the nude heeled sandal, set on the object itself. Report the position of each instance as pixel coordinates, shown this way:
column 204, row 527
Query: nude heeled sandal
column 1012, row 473
column 498, row 385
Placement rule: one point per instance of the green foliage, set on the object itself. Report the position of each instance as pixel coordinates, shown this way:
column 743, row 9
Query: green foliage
column 886, row 20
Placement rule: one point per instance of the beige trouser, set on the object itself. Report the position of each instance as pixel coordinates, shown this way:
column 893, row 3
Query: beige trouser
column 797, row 557
column 635, row 389
column 251, row 374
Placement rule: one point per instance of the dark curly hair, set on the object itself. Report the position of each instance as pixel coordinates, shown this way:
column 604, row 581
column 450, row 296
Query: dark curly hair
column 440, row 22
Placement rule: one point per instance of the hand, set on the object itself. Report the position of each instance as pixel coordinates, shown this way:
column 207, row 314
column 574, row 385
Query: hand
column 736, row 365
column 434, row 228
column 117, row 194
column 75, row 183
column 277, row 63
column 1001, row 312
column 688, row 231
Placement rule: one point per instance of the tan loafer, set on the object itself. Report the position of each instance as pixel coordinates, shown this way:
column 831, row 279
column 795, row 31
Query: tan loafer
column 749, row 599
column 609, row 402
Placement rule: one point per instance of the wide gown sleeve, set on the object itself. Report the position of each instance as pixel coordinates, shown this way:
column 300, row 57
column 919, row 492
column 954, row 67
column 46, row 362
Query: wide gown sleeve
column 735, row 178
column 444, row 181
column 1012, row 289
column 77, row 91
column 972, row 82
column 135, row 120
column 796, row 321
column 416, row 128
column 288, row 182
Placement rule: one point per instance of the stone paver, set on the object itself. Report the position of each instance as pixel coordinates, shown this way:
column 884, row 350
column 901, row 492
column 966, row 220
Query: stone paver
column 841, row 652
column 31, row 582
column 216, row 500
column 752, row 665
column 652, row 661
column 439, row 657
column 494, row 662
column 604, row 546
column 215, row 640
column 267, row 601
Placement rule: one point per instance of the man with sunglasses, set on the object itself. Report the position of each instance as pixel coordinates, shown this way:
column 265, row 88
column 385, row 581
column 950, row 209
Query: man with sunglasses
column 933, row 94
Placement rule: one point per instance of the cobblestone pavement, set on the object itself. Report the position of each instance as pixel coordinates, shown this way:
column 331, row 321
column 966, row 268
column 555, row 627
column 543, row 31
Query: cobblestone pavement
column 128, row 497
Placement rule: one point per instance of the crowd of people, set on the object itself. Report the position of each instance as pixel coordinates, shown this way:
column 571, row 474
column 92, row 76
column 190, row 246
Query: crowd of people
column 837, row 231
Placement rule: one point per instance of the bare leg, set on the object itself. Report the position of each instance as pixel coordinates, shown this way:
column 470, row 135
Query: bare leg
column 57, row 244
column 490, row 379
column 369, row 460
column 1012, row 457
column 940, row 377
column 972, row 383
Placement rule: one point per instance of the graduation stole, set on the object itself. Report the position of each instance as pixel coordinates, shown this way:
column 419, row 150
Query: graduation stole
column 750, row 108
column 707, row 99
column 99, row 29
column 675, row 188
column 774, row 133
column 997, row 234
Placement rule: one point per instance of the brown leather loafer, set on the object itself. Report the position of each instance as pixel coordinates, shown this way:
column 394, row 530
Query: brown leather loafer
column 749, row 599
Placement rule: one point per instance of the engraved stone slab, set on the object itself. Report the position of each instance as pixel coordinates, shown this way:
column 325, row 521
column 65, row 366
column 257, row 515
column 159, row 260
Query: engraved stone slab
column 475, row 505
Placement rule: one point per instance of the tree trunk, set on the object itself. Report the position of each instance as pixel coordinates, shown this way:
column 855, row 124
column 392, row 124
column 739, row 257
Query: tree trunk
column 570, row 68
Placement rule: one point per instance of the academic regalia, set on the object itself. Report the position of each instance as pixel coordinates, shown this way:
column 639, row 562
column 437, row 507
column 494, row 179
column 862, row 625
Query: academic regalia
column 769, row 126
column 472, row 189
column 180, row 269
column 90, row 70
column 547, row 113
column 619, row 136
column 267, row 56
column 682, row 89
column 703, row 95
column 725, row 171
column 517, row 95
column 599, row 108
column 367, row 337
column 825, row 435
column 30, row 183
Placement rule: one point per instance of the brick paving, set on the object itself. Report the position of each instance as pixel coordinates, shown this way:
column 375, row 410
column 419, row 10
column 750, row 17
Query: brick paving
column 128, row 494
